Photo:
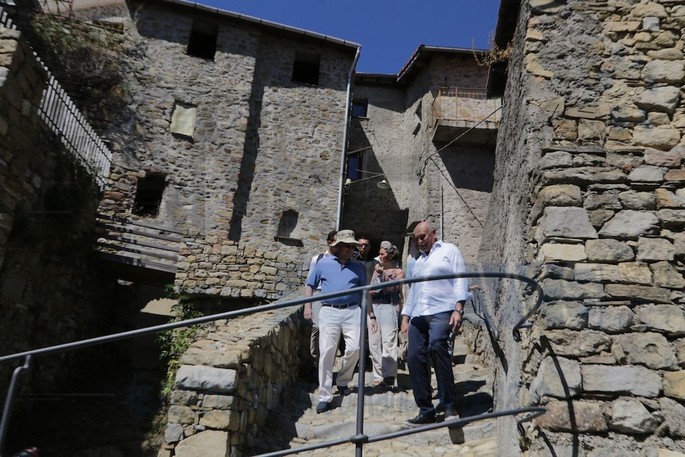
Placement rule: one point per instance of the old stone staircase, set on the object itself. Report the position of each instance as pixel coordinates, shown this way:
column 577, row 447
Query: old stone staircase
column 297, row 424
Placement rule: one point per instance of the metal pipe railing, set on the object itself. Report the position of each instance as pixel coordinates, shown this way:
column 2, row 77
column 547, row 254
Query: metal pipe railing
column 61, row 116
column 359, row 439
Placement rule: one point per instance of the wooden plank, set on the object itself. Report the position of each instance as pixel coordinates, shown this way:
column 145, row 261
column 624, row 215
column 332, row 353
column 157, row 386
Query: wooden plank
column 142, row 263
column 139, row 223
column 124, row 239
column 133, row 249
column 134, row 231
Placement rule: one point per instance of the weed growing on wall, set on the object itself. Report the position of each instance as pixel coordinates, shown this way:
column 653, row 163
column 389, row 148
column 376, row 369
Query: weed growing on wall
column 175, row 342
column 495, row 54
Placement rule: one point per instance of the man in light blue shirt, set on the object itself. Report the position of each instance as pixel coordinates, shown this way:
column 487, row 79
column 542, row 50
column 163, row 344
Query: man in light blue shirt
column 339, row 315
column 432, row 311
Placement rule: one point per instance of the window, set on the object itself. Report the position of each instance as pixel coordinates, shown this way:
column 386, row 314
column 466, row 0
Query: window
column 202, row 42
column 354, row 164
column 360, row 107
column 149, row 194
column 306, row 68
column 417, row 115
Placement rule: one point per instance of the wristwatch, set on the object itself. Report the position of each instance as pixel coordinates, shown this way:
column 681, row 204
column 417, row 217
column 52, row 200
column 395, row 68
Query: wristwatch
column 460, row 311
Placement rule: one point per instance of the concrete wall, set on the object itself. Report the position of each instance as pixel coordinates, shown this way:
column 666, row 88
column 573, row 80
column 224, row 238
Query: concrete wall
column 586, row 200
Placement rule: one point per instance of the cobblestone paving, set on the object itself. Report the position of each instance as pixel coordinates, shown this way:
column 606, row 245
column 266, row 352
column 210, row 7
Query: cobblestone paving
column 297, row 423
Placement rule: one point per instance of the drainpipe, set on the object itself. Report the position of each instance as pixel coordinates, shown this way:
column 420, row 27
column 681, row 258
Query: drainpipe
column 343, row 156
column 442, row 211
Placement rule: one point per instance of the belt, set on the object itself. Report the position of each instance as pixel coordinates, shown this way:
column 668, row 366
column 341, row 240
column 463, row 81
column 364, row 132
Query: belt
column 340, row 305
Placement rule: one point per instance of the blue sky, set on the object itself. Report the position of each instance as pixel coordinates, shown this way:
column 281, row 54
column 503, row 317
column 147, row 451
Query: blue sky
column 388, row 30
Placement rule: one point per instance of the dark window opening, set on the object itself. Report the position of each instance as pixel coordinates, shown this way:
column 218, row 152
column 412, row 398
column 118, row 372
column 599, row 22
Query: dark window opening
column 149, row 194
column 360, row 107
column 353, row 167
column 287, row 229
column 288, row 223
column 202, row 42
column 306, row 68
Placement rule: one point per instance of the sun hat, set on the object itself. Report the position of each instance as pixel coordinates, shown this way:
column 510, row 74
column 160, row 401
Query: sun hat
column 345, row 236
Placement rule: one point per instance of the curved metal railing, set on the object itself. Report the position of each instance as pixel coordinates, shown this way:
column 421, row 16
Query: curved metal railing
column 359, row 439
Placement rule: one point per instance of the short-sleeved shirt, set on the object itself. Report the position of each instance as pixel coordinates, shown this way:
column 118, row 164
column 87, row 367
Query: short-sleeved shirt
column 332, row 276
column 313, row 263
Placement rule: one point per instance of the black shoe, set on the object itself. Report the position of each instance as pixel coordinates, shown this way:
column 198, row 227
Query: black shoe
column 344, row 390
column 421, row 419
column 322, row 407
column 451, row 413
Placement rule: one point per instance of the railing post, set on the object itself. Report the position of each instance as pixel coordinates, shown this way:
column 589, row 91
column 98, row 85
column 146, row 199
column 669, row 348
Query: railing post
column 361, row 378
column 7, row 410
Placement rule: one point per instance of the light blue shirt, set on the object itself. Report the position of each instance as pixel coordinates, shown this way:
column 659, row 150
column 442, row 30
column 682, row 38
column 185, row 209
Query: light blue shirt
column 332, row 276
column 433, row 297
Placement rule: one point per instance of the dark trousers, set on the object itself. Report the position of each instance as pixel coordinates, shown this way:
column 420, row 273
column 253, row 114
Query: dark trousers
column 428, row 337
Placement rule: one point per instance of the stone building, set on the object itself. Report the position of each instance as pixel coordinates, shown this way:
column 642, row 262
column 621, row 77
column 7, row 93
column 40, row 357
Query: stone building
column 429, row 132
column 587, row 199
column 242, row 148
column 239, row 135
column 238, row 132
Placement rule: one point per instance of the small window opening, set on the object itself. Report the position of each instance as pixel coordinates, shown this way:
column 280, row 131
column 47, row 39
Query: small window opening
column 202, row 42
column 418, row 115
column 354, row 164
column 149, row 193
column 306, row 68
column 360, row 107
column 288, row 230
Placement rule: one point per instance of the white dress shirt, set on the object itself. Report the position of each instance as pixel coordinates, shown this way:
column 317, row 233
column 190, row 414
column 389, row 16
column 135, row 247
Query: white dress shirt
column 432, row 297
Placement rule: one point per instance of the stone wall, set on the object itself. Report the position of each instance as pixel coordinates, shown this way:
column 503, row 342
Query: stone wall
column 231, row 379
column 234, row 270
column 51, row 290
column 589, row 158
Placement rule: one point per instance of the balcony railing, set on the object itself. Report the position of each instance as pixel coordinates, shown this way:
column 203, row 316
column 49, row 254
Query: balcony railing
column 454, row 105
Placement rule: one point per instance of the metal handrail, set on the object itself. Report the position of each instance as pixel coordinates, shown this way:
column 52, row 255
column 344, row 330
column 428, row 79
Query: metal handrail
column 359, row 439
column 62, row 117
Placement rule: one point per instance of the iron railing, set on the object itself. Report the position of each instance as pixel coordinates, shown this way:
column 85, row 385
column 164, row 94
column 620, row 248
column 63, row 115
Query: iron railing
column 62, row 118
column 359, row 439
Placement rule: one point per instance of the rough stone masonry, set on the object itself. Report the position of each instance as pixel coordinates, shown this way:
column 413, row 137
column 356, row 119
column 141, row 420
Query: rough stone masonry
column 590, row 187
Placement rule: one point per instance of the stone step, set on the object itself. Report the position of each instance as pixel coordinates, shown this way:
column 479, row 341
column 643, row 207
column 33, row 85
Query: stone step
column 297, row 424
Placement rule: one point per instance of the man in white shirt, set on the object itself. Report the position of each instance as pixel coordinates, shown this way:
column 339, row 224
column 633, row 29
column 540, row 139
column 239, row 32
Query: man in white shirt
column 316, row 306
column 432, row 311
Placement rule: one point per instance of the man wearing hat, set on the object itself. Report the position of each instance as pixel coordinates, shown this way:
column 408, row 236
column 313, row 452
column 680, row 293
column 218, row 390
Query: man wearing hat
column 339, row 315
